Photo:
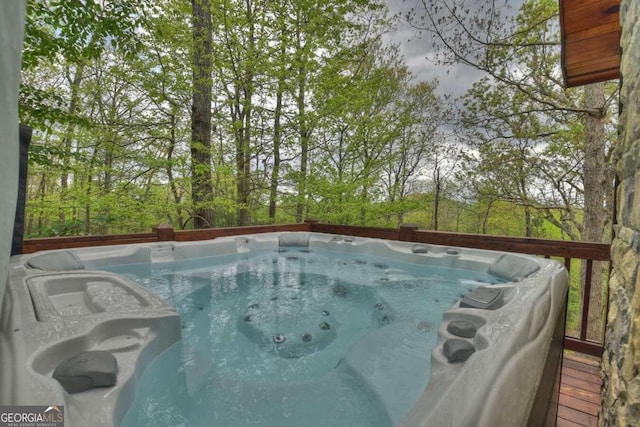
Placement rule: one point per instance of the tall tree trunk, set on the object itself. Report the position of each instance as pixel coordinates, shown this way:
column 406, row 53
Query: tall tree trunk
column 241, row 181
column 302, row 121
column 177, row 198
column 67, row 140
column 485, row 219
column 201, row 185
column 275, row 172
column 244, row 110
column 436, row 202
column 304, row 158
column 107, row 185
column 88, row 191
column 243, row 159
column 596, row 171
column 41, row 193
column 528, row 223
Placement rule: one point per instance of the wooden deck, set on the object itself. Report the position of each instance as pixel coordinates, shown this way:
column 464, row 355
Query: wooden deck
column 579, row 392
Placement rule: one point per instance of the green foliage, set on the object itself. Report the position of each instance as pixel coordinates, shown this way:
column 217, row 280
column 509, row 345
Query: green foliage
column 528, row 132
column 312, row 116
column 111, row 152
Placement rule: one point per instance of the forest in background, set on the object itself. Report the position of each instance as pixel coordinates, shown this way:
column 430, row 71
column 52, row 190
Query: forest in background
column 208, row 113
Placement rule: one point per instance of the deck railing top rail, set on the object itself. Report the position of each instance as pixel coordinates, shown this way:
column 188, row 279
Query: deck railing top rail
column 525, row 245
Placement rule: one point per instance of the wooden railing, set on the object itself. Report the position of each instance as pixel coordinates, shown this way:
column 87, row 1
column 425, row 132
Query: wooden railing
column 565, row 250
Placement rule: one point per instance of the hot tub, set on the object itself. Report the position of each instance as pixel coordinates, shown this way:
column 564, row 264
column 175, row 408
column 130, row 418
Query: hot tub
column 85, row 329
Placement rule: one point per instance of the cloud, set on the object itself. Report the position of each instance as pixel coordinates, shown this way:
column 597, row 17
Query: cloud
column 419, row 54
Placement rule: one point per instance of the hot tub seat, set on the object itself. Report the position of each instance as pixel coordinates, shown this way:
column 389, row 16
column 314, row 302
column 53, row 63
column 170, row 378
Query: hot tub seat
column 49, row 317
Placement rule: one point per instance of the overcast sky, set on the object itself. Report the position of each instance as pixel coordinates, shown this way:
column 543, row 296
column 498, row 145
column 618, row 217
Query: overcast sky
column 417, row 50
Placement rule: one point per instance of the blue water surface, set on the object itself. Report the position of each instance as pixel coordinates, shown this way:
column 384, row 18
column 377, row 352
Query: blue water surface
column 294, row 337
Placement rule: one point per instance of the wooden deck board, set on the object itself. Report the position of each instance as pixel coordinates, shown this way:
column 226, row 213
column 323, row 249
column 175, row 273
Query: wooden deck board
column 580, row 385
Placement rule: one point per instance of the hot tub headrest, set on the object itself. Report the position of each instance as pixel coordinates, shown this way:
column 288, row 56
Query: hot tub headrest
column 293, row 239
column 56, row 261
column 513, row 267
column 87, row 370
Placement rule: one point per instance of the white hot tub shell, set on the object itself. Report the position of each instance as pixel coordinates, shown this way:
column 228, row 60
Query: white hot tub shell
column 58, row 305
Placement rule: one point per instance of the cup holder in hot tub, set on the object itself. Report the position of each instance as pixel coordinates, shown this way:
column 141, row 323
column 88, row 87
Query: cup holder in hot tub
column 483, row 297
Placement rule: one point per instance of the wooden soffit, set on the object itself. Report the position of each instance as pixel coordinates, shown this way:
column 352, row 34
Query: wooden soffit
column 590, row 31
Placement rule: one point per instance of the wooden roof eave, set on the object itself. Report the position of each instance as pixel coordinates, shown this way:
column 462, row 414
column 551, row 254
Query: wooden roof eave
column 590, row 40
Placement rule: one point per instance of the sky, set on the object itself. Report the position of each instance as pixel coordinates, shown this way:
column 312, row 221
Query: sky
column 417, row 49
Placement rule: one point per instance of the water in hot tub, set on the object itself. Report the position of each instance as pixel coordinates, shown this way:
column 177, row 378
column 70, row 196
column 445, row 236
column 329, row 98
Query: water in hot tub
column 294, row 337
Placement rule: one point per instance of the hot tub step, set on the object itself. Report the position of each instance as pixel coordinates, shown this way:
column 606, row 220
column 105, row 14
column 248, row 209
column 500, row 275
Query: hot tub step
column 388, row 361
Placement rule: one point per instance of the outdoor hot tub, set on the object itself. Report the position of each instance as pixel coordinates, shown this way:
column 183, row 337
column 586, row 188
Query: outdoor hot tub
column 283, row 329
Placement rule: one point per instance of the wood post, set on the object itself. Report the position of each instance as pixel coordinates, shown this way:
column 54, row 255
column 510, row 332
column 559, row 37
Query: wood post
column 406, row 232
column 311, row 222
column 164, row 233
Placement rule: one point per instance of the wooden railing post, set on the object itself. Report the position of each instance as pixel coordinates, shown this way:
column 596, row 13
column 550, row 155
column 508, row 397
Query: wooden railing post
column 406, row 232
column 310, row 222
column 164, row 233
column 585, row 300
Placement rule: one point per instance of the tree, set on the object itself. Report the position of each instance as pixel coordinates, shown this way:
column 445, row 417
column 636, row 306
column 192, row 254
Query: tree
column 67, row 38
column 419, row 146
column 519, row 54
column 308, row 107
column 201, row 178
column 164, row 69
column 377, row 130
column 71, row 33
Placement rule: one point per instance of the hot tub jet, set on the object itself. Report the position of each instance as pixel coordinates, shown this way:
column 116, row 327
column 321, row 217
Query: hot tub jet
column 325, row 326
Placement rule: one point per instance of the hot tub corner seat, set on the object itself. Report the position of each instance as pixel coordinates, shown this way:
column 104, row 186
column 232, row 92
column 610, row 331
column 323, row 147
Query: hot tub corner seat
column 78, row 338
